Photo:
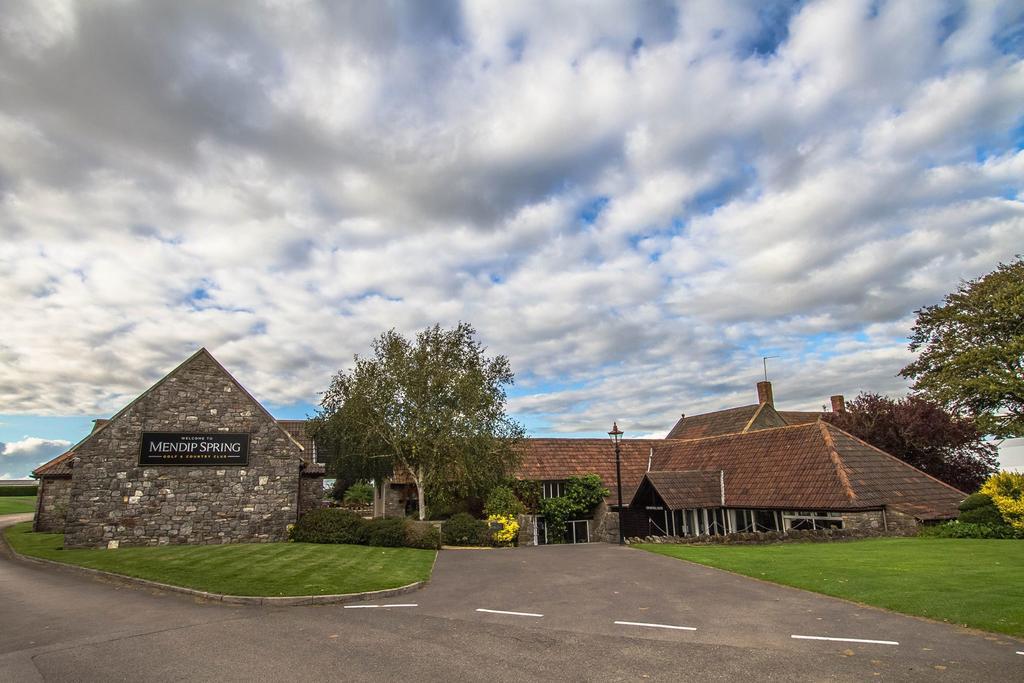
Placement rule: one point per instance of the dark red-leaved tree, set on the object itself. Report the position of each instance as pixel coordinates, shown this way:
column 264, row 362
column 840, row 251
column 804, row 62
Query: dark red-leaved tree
column 923, row 434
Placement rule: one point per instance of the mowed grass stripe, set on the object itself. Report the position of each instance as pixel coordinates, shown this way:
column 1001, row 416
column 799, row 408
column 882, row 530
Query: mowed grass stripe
column 261, row 569
column 975, row 582
column 13, row 505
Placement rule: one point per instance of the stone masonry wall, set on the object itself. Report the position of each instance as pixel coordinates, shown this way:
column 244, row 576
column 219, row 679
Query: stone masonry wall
column 114, row 499
column 311, row 492
column 52, row 509
column 871, row 520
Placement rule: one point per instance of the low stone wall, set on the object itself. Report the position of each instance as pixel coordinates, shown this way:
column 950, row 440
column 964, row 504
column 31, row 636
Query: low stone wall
column 775, row 537
column 311, row 493
column 52, row 506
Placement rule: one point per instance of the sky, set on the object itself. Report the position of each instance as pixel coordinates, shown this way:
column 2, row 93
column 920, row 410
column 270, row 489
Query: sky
column 634, row 201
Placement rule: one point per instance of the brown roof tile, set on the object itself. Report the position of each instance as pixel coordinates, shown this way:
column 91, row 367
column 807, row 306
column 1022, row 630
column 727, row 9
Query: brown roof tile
column 730, row 421
column 557, row 459
column 691, row 489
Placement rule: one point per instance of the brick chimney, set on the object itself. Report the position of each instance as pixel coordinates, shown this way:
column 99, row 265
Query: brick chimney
column 764, row 393
column 838, row 404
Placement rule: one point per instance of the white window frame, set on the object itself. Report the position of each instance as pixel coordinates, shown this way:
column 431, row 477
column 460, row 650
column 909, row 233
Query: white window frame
column 552, row 489
column 814, row 516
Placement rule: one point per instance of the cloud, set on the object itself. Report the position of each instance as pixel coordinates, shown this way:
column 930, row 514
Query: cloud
column 634, row 202
column 19, row 458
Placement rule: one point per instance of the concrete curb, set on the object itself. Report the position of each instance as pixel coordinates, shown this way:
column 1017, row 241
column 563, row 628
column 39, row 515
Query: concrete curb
column 286, row 601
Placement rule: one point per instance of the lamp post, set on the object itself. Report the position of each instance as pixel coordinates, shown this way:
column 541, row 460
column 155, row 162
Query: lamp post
column 616, row 435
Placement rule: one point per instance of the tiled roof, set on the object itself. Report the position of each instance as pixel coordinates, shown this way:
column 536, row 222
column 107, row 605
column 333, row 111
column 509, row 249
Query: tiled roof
column 737, row 421
column 879, row 478
column 730, row 421
column 691, row 489
column 810, row 466
column 799, row 417
column 556, row 459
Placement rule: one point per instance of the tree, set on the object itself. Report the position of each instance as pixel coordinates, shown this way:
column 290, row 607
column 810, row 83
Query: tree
column 972, row 351
column 432, row 407
column 922, row 434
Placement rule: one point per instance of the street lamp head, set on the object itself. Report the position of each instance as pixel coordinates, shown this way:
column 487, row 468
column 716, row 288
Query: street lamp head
column 616, row 433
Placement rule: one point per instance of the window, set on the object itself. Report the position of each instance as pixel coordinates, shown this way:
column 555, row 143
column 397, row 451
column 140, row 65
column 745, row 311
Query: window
column 552, row 489
column 744, row 520
column 809, row 519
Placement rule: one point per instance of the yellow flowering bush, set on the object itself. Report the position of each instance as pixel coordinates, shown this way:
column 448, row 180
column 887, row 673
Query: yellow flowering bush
column 509, row 533
column 1007, row 491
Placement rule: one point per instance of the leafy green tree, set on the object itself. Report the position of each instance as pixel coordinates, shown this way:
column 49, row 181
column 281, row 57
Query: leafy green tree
column 502, row 501
column 432, row 407
column 972, row 351
column 922, row 434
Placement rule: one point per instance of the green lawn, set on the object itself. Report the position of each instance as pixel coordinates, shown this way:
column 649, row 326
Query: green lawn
column 264, row 569
column 10, row 505
column 978, row 583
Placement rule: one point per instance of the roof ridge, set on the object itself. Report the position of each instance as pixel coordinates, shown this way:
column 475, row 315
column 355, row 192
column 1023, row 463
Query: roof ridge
column 734, row 434
column 829, row 425
column 837, row 461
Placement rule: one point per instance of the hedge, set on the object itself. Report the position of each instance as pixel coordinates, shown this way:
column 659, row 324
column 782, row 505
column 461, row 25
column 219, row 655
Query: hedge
column 19, row 490
column 337, row 525
column 464, row 529
column 968, row 530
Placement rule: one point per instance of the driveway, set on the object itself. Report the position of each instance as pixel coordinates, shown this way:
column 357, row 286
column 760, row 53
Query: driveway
column 551, row 612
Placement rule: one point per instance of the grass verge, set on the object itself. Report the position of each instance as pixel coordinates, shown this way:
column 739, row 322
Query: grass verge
column 972, row 582
column 12, row 505
column 257, row 569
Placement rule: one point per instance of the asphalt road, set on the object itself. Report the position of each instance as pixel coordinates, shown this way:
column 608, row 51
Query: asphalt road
column 59, row 625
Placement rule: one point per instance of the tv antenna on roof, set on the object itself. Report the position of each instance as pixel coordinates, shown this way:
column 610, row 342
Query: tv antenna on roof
column 764, row 362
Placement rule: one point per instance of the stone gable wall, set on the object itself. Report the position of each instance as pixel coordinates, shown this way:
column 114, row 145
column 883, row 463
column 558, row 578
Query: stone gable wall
column 114, row 499
column 52, row 506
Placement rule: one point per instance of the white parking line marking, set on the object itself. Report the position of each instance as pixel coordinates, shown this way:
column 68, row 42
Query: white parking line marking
column 1020, row 653
column 848, row 640
column 360, row 606
column 514, row 614
column 641, row 623
column 408, row 604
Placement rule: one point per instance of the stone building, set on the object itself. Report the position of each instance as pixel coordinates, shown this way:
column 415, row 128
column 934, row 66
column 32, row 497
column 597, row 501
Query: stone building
column 194, row 459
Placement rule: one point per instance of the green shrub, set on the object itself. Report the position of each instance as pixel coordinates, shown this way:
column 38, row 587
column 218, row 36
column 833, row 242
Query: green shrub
column 331, row 525
column 387, row 533
column 529, row 492
column 582, row 495
column 979, row 508
column 967, row 530
column 422, row 535
column 464, row 529
column 19, row 490
column 359, row 493
column 502, row 502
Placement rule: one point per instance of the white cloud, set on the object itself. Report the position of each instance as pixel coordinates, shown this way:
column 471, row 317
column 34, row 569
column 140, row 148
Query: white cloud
column 282, row 184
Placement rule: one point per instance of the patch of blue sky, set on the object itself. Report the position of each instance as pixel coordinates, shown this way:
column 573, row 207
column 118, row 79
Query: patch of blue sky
column 67, row 427
column 592, row 209
column 949, row 24
column 722, row 193
column 291, row 411
column 1009, row 40
column 773, row 19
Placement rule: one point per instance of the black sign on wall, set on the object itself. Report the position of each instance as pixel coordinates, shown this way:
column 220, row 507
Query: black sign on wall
column 167, row 448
